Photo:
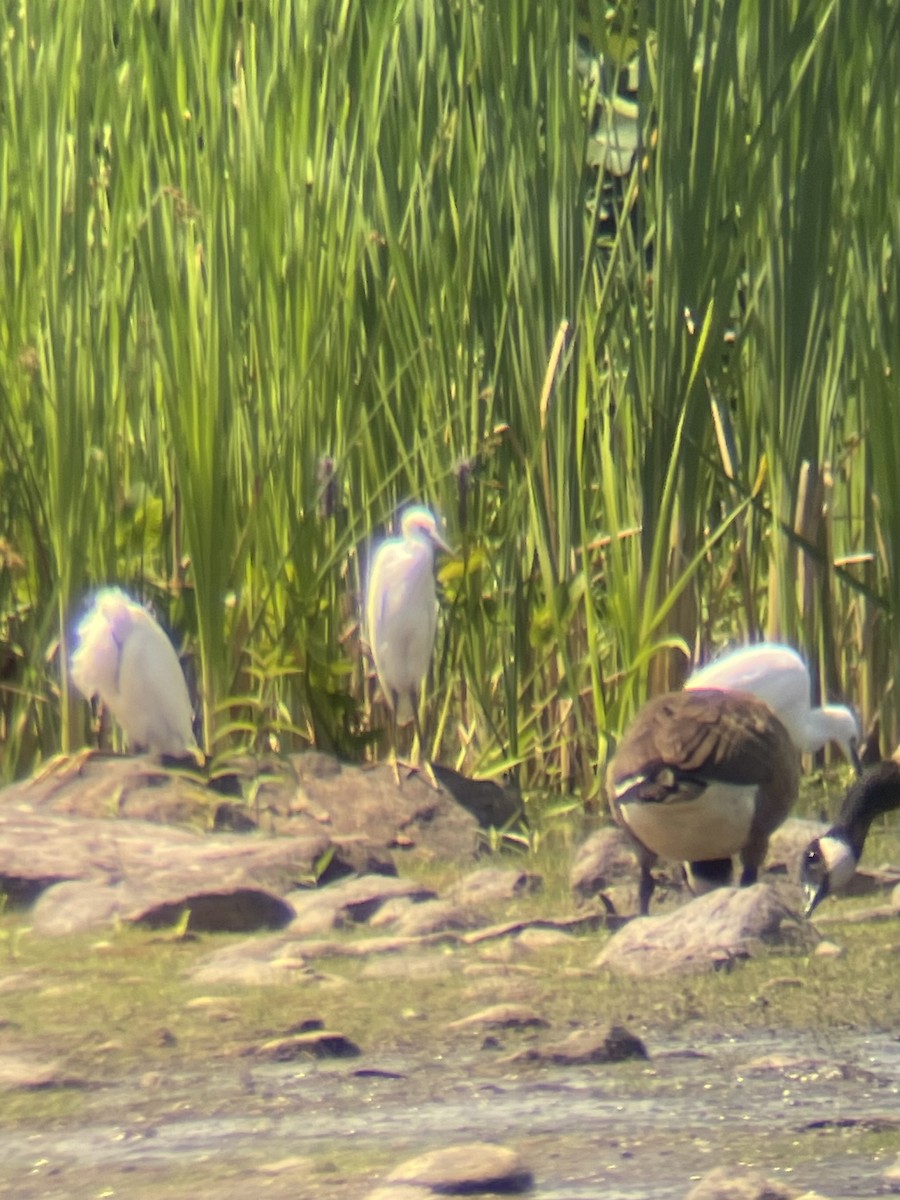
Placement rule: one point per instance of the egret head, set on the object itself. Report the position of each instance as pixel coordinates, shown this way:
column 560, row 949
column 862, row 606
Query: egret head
column 833, row 723
column 101, row 633
column 421, row 523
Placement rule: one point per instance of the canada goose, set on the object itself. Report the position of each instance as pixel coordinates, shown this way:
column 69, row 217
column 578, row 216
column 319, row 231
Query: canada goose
column 830, row 861
column 699, row 776
column 779, row 676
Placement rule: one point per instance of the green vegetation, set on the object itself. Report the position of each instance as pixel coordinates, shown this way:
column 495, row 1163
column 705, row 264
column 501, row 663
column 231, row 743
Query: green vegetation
column 270, row 271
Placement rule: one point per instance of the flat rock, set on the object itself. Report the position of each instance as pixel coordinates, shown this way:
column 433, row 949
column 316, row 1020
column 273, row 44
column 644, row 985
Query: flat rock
column 502, row 1016
column 350, row 901
column 86, row 831
column 492, row 884
column 603, row 861
column 316, row 1043
column 401, row 1191
column 709, row 933
column 737, row 1183
column 305, row 795
column 429, row 916
column 610, row 1043
column 472, row 1167
column 799, row 1067
column 258, row 962
column 891, row 1176
column 21, row 1073
column 157, row 903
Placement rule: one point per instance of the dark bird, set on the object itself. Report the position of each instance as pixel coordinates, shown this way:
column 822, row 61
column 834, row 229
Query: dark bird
column 830, row 861
column 700, row 776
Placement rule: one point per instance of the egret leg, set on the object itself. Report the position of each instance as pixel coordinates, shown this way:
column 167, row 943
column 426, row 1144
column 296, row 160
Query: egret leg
column 395, row 764
column 422, row 765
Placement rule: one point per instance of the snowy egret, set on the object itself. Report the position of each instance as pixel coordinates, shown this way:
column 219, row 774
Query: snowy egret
column 401, row 616
column 830, row 861
column 700, row 776
column 779, row 676
column 125, row 658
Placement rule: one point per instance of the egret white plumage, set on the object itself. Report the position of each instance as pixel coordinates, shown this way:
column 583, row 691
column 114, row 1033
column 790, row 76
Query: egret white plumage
column 401, row 615
column 778, row 675
column 126, row 659
column 830, row 861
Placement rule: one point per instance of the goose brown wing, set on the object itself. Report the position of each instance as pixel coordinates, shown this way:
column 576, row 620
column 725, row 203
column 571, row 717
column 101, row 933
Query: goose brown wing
column 706, row 734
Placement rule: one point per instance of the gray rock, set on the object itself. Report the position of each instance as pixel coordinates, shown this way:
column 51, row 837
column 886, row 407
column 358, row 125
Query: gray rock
column 709, row 933
column 489, row 885
column 610, row 1043
column 83, row 831
column 366, row 803
column 737, row 1183
column 410, row 965
column 434, row 916
column 157, row 903
column 305, row 795
column 605, row 859
column 257, row 962
column 891, row 1176
column 316, row 1043
column 20, row 1073
column 401, row 1191
column 349, row 901
column 472, row 1167
column 502, row 1016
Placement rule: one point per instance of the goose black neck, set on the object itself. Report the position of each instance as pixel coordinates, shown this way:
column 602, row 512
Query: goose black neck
column 877, row 792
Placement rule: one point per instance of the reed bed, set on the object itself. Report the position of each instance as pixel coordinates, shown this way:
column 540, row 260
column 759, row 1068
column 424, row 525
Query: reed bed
column 271, row 271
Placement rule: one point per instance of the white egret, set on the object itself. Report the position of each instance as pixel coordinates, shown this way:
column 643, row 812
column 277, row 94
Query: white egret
column 401, row 616
column 830, row 861
column 698, row 777
column 779, row 676
column 126, row 659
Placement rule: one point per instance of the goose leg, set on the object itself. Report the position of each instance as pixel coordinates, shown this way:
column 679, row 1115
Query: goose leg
column 647, row 883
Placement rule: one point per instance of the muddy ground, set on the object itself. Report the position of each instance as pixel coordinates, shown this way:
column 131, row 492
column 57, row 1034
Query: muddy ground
column 136, row 1082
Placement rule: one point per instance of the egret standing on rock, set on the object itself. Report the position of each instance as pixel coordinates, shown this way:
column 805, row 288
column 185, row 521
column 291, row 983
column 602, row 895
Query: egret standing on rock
column 779, row 676
column 401, row 616
column 125, row 658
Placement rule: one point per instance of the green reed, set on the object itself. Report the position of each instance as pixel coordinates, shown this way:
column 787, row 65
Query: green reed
column 271, row 271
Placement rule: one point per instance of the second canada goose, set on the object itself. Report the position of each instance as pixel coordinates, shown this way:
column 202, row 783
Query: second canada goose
column 830, row 861
column 700, row 776
column 779, row 676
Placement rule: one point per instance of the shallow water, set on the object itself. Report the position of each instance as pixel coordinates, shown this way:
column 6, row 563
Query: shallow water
column 633, row 1130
